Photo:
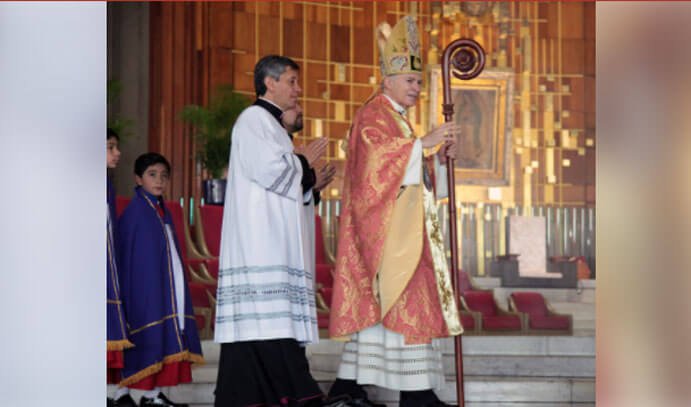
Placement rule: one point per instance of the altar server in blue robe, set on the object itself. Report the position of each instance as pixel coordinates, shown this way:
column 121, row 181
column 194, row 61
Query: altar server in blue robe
column 116, row 325
column 154, row 291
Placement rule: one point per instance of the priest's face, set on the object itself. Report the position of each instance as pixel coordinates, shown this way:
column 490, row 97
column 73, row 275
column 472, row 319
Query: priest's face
column 154, row 179
column 404, row 88
column 285, row 91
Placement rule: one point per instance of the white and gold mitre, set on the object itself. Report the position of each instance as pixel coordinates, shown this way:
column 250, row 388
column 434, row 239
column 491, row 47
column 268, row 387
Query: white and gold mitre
column 399, row 48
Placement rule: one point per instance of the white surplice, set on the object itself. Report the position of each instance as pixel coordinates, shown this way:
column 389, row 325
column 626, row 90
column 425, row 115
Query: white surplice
column 266, row 265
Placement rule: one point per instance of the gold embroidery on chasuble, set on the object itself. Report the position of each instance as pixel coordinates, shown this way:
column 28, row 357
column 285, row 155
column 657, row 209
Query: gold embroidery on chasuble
column 447, row 299
column 415, row 210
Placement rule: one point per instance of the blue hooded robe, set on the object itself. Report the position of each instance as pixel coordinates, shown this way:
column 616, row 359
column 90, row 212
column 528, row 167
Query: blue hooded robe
column 116, row 330
column 148, row 292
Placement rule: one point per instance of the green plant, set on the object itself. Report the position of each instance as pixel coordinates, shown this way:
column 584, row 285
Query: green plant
column 121, row 126
column 212, row 127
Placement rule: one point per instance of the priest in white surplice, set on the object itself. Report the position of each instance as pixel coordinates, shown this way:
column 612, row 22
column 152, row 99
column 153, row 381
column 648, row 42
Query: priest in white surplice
column 265, row 311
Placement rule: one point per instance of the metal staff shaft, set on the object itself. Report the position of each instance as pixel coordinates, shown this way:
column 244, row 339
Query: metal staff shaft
column 468, row 60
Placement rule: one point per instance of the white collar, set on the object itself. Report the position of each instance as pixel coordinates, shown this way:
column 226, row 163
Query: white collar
column 269, row 101
column 400, row 109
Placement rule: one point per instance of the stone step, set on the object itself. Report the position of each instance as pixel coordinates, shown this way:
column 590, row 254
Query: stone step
column 492, row 389
column 509, row 371
column 482, row 404
column 326, row 366
column 472, row 345
column 526, row 345
column 486, row 390
column 529, row 345
column 506, row 366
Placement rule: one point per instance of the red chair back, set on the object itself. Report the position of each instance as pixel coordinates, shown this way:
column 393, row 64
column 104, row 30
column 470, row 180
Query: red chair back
column 531, row 303
column 212, row 221
column 481, row 301
column 121, row 203
column 319, row 250
column 178, row 216
column 464, row 282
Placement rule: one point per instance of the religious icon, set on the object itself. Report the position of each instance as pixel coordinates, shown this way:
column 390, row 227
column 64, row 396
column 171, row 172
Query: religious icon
column 482, row 107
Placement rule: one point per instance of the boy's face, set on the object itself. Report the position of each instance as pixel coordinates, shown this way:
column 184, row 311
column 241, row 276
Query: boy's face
column 154, row 180
column 112, row 152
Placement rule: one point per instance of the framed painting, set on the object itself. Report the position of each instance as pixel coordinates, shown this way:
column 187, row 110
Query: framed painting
column 482, row 106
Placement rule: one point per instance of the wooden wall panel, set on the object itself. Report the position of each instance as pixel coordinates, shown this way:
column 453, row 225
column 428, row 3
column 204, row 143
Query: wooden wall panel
column 589, row 95
column 553, row 42
column 589, row 57
column 574, row 120
column 292, row 12
column 293, row 37
column 572, row 20
column 172, row 86
column 363, row 38
column 340, row 44
column 340, row 92
column 267, row 38
column 316, row 108
column 221, row 59
column 316, row 42
column 313, row 86
column 224, row 21
column 589, row 21
column 575, row 172
column 573, row 52
column 573, row 194
column 243, row 30
column 576, row 100
column 589, row 166
column 242, row 73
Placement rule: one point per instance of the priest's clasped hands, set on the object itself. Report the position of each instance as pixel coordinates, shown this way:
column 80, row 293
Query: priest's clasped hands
column 314, row 152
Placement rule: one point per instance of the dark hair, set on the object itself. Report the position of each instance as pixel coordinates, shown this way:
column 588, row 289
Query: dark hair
column 112, row 134
column 272, row 66
column 145, row 161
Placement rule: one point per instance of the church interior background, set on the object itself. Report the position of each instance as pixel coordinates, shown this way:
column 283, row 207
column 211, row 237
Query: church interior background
column 541, row 151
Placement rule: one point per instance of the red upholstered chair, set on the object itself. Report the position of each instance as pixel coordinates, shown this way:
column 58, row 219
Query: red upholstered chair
column 203, row 309
column 471, row 322
column 539, row 317
column 324, row 277
column 494, row 318
column 320, row 254
column 199, row 268
column 324, row 268
column 207, row 229
column 466, row 282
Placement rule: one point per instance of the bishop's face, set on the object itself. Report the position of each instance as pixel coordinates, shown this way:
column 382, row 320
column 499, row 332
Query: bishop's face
column 404, row 88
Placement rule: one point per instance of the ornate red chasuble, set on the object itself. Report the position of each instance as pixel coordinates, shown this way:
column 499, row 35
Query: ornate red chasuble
column 379, row 147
